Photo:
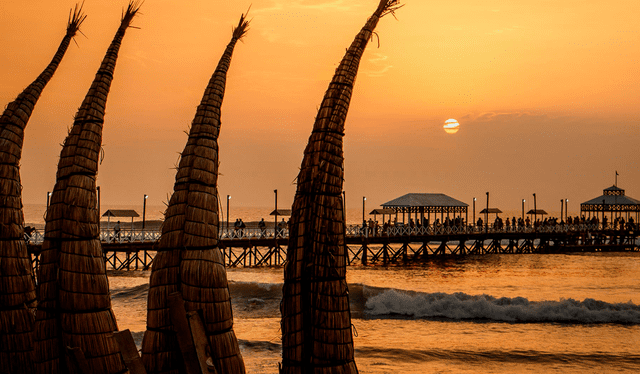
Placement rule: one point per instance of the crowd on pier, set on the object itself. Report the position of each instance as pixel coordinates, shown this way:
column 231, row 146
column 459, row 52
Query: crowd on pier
column 372, row 227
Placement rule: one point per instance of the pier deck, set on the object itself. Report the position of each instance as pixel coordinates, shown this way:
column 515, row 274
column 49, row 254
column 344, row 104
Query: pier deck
column 254, row 247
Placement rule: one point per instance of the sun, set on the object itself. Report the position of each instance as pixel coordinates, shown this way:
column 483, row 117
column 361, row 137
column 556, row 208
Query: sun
column 451, row 126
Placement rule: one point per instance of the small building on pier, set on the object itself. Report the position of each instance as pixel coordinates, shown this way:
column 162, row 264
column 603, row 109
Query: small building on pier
column 383, row 212
column 614, row 201
column 120, row 213
column 422, row 205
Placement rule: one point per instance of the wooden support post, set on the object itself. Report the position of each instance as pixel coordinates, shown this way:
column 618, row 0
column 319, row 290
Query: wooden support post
column 200, row 341
column 365, row 252
column 183, row 333
column 77, row 360
column 129, row 352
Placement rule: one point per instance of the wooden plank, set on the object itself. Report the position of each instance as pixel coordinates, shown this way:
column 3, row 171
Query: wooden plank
column 129, row 352
column 77, row 359
column 183, row 333
column 201, row 342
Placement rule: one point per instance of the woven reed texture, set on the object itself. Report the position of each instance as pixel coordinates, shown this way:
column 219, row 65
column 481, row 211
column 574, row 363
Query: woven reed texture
column 74, row 305
column 316, row 319
column 188, row 260
column 17, row 287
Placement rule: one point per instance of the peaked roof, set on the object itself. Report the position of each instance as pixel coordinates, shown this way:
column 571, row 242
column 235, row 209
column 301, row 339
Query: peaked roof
column 613, row 195
column 424, row 199
column 121, row 213
column 613, row 200
column 281, row 212
column 537, row 211
column 490, row 211
column 383, row 211
column 614, row 188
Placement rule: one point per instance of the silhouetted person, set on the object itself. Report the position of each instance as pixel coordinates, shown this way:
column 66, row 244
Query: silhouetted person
column 116, row 231
column 263, row 227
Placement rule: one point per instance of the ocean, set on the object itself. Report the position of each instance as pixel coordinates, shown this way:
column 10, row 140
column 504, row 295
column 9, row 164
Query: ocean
column 533, row 313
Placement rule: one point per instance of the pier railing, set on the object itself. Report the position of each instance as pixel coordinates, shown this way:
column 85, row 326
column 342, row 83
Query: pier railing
column 135, row 249
column 146, row 236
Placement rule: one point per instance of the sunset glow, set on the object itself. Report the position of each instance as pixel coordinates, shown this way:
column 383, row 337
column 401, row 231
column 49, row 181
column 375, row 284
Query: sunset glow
column 536, row 91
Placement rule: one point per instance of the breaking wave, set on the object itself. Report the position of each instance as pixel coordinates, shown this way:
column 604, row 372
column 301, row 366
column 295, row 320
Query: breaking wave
column 461, row 306
column 259, row 300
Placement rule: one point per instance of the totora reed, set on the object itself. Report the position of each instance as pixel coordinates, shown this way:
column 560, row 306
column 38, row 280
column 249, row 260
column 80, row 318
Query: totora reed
column 17, row 286
column 316, row 319
column 188, row 259
column 74, row 305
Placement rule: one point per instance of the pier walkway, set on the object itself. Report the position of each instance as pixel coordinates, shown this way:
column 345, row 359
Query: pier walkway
column 134, row 249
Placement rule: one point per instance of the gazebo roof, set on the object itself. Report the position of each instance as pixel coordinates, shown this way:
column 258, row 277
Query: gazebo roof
column 614, row 188
column 424, row 200
column 382, row 211
column 121, row 213
column 537, row 211
column 490, row 211
column 281, row 212
column 613, row 198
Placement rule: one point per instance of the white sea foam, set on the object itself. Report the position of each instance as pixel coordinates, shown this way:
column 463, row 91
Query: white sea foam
column 459, row 306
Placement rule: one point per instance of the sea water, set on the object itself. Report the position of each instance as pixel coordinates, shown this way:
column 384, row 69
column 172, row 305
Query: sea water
column 537, row 313
column 511, row 313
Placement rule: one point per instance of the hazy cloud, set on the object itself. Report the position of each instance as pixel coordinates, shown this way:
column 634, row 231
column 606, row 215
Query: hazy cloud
column 379, row 62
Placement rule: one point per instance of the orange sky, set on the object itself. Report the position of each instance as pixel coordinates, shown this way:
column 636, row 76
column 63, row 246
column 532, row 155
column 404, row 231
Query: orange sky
column 547, row 95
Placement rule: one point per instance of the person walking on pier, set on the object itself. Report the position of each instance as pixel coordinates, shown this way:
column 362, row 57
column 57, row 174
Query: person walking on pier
column 116, row 231
column 281, row 227
column 263, row 228
column 241, row 226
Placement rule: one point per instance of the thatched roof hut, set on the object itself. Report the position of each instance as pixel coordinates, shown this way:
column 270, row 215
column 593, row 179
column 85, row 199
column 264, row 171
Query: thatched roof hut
column 17, row 287
column 188, row 259
column 316, row 319
column 74, row 305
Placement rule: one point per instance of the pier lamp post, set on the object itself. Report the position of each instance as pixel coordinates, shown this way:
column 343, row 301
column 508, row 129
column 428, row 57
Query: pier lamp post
column 275, row 224
column 561, row 209
column 228, row 198
column 523, row 200
column 364, row 199
column 48, row 197
column 486, row 215
column 144, row 210
column 535, row 211
column 474, row 212
column 566, row 210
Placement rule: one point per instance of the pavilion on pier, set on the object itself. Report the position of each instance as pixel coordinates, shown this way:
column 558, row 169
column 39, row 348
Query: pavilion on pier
column 120, row 213
column 422, row 205
column 614, row 201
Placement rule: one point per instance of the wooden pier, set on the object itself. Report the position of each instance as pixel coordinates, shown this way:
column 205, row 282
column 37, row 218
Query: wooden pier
column 396, row 245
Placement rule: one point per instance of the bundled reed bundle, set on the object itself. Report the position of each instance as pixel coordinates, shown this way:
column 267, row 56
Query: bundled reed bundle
column 316, row 319
column 74, row 305
column 17, row 288
column 188, row 259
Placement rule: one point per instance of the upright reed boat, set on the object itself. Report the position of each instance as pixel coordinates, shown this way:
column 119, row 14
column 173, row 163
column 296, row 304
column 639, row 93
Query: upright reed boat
column 17, row 286
column 74, row 304
column 316, row 319
column 188, row 260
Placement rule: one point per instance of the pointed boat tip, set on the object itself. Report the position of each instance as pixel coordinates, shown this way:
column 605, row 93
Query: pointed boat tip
column 243, row 26
column 131, row 11
column 76, row 18
column 389, row 7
